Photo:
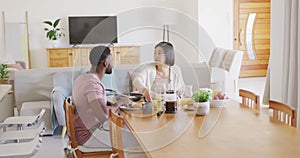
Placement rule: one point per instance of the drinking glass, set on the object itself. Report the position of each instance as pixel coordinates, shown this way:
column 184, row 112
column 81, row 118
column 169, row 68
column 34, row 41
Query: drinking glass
column 158, row 91
column 157, row 95
column 187, row 93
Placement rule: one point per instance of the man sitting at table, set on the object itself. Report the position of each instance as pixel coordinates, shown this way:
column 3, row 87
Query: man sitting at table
column 89, row 97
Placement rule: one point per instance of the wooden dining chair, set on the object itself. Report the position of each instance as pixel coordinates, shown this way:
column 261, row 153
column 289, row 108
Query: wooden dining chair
column 70, row 109
column 283, row 113
column 115, row 126
column 250, row 99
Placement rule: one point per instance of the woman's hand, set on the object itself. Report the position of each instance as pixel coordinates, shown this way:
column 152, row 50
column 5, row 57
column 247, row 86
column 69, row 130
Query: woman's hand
column 147, row 94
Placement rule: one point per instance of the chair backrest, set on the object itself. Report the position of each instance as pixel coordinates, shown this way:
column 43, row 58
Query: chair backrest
column 228, row 59
column 250, row 99
column 40, row 115
column 70, row 109
column 283, row 113
column 232, row 63
column 217, row 57
column 115, row 126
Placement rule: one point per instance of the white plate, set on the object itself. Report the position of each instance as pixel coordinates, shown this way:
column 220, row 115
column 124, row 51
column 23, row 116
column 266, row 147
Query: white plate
column 187, row 108
column 129, row 109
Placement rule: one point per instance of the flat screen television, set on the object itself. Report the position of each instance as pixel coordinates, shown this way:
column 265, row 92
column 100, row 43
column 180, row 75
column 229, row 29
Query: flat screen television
column 93, row 30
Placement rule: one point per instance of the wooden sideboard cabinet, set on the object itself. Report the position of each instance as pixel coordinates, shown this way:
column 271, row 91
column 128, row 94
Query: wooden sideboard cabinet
column 79, row 56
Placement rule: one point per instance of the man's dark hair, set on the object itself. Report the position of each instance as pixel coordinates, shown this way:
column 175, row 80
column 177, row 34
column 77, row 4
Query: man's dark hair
column 169, row 52
column 99, row 54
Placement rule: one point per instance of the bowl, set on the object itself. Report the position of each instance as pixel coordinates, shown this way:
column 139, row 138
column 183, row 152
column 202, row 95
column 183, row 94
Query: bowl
column 218, row 103
column 137, row 96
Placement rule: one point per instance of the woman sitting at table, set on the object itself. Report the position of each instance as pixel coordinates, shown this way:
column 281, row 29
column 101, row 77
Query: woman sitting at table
column 161, row 71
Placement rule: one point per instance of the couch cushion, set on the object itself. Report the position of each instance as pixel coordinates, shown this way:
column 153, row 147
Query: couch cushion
column 36, row 84
column 65, row 79
column 122, row 78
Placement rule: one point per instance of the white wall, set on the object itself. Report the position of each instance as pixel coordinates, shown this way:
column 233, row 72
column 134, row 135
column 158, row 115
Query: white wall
column 276, row 46
column 44, row 10
column 216, row 17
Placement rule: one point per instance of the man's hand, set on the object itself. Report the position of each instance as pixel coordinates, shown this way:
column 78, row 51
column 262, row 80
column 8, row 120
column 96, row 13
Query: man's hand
column 124, row 101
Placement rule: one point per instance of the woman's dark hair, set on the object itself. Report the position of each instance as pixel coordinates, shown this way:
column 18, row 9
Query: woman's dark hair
column 169, row 52
column 99, row 54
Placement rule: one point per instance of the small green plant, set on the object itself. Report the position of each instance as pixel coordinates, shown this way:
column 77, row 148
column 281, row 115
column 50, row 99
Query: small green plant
column 202, row 95
column 4, row 72
column 53, row 32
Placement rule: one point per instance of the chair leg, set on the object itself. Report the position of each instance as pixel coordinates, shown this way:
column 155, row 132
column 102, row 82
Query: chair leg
column 63, row 132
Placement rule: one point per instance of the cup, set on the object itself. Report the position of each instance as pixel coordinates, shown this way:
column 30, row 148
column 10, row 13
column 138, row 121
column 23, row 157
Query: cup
column 147, row 108
column 188, row 91
column 155, row 104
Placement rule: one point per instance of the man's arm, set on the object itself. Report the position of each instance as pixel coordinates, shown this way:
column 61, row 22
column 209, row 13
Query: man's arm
column 99, row 109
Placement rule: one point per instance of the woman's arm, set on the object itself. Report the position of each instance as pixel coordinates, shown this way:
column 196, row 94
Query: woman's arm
column 138, row 82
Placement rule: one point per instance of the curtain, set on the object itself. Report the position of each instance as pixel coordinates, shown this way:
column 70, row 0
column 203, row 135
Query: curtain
column 291, row 56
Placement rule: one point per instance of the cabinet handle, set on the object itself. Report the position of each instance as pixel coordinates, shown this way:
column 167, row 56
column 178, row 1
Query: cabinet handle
column 70, row 53
column 118, row 52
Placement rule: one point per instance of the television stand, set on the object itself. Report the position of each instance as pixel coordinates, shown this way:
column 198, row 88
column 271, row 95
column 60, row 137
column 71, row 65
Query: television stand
column 79, row 56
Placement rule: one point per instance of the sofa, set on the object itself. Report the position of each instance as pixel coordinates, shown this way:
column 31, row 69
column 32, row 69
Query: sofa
column 33, row 91
column 46, row 88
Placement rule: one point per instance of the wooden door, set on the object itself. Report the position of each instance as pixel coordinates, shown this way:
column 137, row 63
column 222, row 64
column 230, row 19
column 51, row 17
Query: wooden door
column 252, row 35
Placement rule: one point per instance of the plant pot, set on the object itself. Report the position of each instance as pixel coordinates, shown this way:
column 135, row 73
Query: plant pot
column 4, row 81
column 54, row 43
column 201, row 108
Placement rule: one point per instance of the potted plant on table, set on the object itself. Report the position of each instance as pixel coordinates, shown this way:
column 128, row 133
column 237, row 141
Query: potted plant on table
column 53, row 32
column 201, row 99
column 4, row 74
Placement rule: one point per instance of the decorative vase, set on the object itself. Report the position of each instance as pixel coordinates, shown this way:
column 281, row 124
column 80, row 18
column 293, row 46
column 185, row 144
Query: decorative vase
column 54, row 43
column 201, row 108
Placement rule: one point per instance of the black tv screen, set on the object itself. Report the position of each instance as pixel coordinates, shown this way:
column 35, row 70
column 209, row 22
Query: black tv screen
column 93, row 29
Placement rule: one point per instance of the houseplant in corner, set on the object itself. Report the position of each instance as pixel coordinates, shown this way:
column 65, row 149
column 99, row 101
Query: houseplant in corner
column 4, row 74
column 201, row 99
column 53, row 32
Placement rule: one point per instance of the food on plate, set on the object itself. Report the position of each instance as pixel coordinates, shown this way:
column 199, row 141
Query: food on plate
column 136, row 105
column 190, row 106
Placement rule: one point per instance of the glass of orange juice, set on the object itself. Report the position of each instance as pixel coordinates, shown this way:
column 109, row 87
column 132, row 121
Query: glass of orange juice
column 155, row 103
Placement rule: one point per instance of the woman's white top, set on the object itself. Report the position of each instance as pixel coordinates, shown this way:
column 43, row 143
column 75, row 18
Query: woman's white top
column 145, row 75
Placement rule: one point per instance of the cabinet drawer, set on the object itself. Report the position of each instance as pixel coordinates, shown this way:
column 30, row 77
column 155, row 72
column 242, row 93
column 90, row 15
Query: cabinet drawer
column 130, row 61
column 58, row 54
column 59, row 63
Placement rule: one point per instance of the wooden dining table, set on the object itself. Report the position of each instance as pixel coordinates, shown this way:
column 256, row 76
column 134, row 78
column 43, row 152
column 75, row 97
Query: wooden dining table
column 229, row 131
